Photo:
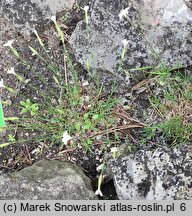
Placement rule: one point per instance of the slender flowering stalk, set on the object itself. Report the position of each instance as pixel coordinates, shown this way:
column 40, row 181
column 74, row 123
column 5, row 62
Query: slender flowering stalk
column 124, row 50
column 9, row 44
column 56, row 81
column 12, row 119
column 100, row 180
column 34, row 51
column 39, row 39
column 4, row 144
column 125, row 43
column 41, row 43
column 98, row 191
column 12, row 71
column 11, row 90
column 87, row 65
column 53, row 18
column 114, row 151
column 86, row 8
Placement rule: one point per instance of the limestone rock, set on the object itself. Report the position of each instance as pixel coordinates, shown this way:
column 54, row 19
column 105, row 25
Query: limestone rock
column 188, row 3
column 26, row 15
column 158, row 33
column 47, row 180
column 154, row 174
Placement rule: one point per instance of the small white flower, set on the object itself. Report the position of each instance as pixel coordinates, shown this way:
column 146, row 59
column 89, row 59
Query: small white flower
column 35, row 32
column 100, row 167
column 123, row 13
column 98, row 192
column 66, row 138
column 53, row 18
column 1, row 83
column 114, row 149
column 86, row 8
column 11, row 71
column 9, row 43
column 125, row 42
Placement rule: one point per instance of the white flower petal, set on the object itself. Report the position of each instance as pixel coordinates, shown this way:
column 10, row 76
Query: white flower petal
column 86, row 8
column 123, row 13
column 66, row 138
column 11, row 71
column 114, row 149
column 9, row 43
column 100, row 167
column 1, row 83
column 98, row 192
column 53, row 18
column 125, row 42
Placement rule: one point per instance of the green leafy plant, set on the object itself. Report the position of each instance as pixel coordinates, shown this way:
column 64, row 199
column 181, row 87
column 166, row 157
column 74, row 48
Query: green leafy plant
column 11, row 138
column 173, row 131
column 173, row 105
column 65, row 17
column 77, row 6
column 28, row 106
column 78, row 114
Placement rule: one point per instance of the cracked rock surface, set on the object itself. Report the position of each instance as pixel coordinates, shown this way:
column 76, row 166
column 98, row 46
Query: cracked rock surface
column 26, row 15
column 158, row 174
column 157, row 32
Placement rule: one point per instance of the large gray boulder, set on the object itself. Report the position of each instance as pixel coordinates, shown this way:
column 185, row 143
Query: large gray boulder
column 26, row 15
column 47, row 180
column 158, row 174
column 157, row 33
